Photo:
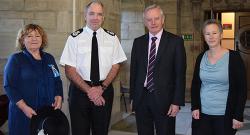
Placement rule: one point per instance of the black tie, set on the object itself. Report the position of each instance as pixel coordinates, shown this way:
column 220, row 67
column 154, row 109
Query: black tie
column 94, row 71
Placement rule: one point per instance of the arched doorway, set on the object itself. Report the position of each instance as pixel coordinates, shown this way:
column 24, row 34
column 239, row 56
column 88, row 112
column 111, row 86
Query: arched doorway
column 242, row 30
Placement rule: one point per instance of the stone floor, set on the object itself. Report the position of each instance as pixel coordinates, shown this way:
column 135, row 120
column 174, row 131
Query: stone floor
column 183, row 123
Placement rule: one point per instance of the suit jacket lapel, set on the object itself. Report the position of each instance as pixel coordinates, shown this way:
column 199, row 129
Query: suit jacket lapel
column 162, row 46
column 145, row 50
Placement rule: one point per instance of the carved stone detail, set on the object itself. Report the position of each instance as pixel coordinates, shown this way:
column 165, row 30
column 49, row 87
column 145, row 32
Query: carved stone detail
column 236, row 4
column 196, row 8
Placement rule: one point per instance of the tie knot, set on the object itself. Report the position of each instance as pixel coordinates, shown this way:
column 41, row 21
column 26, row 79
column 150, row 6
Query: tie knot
column 94, row 33
column 153, row 39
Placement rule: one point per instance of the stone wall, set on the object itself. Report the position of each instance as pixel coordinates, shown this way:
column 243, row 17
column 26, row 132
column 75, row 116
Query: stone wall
column 131, row 27
column 55, row 16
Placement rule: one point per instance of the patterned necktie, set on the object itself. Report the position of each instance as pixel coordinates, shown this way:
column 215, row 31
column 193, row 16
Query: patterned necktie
column 151, row 65
column 94, row 71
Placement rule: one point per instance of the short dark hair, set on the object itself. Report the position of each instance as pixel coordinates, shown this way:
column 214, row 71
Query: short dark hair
column 212, row 21
column 26, row 30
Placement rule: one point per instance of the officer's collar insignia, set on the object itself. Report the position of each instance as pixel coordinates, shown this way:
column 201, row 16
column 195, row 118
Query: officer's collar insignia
column 109, row 32
column 76, row 33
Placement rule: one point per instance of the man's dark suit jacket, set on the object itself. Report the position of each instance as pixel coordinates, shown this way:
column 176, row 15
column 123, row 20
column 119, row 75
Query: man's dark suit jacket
column 169, row 71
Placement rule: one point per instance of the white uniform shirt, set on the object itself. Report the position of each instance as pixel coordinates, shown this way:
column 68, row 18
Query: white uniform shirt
column 77, row 51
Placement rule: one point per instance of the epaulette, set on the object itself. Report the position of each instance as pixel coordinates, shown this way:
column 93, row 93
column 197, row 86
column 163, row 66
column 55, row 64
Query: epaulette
column 109, row 32
column 76, row 33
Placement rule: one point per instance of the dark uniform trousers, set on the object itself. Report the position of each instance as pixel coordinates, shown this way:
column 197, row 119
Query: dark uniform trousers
column 85, row 116
column 148, row 117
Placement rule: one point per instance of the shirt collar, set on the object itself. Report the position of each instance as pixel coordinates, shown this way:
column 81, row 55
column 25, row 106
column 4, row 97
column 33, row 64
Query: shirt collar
column 90, row 31
column 158, row 35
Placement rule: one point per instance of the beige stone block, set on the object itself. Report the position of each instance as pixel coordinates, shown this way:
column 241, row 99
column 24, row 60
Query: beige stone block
column 10, row 25
column 116, row 5
column 3, row 61
column 16, row 15
column 139, row 16
column 116, row 24
column 127, row 45
column 45, row 15
column 124, row 34
column 125, row 71
column 186, row 24
column 169, row 7
column 171, row 30
column 136, row 26
column 170, row 21
column 124, row 25
column 135, row 33
column 113, row 16
column 115, row 27
column 8, row 42
column 136, row 5
column 56, row 43
column 17, row 4
column 111, row 6
column 128, row 16
column 35, row 5
column 205, row 4
column 4, row 5
column 60, row 5
column 11, row 4
column 46, row 24
column 186, row 8
column 64, row 22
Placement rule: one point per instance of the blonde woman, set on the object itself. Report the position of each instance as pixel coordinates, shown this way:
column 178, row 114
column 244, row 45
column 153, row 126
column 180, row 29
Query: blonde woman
column 218, row 91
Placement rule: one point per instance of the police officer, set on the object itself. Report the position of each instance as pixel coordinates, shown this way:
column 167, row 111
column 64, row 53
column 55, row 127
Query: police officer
column 91, row 58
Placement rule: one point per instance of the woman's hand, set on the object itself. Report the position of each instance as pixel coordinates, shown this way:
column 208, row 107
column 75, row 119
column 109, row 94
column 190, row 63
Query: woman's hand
column 58, row 102
column 28, row 111
column 196, row 114
column 237, row 124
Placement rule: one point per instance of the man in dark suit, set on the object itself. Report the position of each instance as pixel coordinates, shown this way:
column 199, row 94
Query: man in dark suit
column 157, row 76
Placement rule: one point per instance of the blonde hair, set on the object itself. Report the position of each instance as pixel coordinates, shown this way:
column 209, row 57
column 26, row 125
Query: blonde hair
column 25, row 31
